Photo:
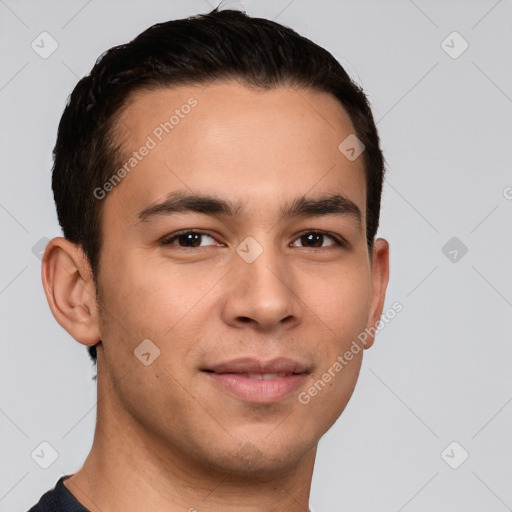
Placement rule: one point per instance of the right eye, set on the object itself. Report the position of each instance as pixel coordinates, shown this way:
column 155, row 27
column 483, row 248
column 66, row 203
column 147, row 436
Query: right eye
column 188, row 238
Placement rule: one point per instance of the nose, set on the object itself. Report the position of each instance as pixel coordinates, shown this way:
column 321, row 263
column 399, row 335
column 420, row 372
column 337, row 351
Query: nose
column 262, row 294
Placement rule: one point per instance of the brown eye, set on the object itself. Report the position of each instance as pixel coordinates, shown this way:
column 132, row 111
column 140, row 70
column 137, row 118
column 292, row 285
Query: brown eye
column 313, row 239
column 188, row 239
column 316, row 239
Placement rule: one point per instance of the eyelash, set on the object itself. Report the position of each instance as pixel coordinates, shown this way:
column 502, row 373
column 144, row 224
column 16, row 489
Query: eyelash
column 170, row 239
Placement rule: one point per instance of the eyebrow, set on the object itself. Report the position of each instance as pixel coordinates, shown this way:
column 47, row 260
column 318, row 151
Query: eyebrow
column 303, row 206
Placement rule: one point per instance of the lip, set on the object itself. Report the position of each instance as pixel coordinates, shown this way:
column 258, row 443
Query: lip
column 239, row 377
column 253, row 365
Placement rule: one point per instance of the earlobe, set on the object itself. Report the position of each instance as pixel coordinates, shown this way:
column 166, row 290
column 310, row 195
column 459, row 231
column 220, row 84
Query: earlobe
column 380, row 278
column 70, row 290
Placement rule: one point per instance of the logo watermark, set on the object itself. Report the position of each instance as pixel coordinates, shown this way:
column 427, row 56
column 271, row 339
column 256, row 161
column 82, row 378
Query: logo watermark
column 157, row 135
column 343, row 360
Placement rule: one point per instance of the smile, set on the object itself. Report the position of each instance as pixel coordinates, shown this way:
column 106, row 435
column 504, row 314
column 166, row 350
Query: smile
column 257, row 381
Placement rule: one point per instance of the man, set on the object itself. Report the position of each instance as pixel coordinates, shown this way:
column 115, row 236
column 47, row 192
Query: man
column 218, row 183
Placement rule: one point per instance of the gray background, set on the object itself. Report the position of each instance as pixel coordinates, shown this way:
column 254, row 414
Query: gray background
column 438, row 373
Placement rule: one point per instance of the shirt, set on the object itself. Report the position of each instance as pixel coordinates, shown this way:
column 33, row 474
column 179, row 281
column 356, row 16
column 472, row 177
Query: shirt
column 60, row 499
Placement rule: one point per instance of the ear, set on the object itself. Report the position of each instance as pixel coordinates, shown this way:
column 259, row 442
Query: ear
column 380, row 277
column 70, row 290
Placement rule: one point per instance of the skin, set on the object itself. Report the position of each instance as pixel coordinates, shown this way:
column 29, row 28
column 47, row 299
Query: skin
column 166, row 437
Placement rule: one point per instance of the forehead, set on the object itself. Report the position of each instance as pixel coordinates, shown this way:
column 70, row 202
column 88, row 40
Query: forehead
column 262, row 146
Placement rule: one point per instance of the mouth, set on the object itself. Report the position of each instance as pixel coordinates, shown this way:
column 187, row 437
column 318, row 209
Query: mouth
column 259, row 376
column 258, row 381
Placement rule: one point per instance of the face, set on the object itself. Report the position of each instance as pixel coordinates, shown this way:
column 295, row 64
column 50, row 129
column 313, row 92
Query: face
column 235, row 244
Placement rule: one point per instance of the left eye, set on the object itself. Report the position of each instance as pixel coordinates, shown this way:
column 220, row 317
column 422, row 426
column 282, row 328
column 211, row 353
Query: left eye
column 315, row 240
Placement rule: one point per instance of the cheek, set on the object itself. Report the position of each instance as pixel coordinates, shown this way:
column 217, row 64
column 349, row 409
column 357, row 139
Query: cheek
column 141, row 303
column 138, row 289
column 154, row 299
column 340, row 313
column 340, row 301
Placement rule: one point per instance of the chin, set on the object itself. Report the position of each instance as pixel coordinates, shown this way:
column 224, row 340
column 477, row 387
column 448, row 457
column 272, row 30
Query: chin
column 261, row 456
